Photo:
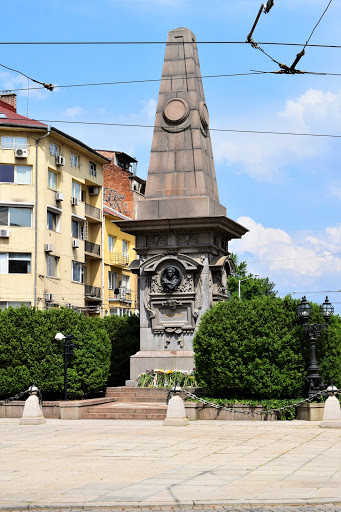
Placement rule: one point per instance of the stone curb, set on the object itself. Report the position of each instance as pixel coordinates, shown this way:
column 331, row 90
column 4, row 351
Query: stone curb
column 233, row 506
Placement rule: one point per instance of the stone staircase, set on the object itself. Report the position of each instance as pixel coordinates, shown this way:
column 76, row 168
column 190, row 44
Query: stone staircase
column 131, row 404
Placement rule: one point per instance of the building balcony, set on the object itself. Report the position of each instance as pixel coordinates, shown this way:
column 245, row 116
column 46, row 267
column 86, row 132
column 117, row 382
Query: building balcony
column 92, row 292
column 119, row 259
column 93, row 249
column 121, row 294
column 93, row 213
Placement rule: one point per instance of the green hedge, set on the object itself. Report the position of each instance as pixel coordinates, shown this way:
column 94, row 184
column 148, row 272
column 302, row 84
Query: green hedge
column 124, row 333
column 256, row 348
column 28, row 351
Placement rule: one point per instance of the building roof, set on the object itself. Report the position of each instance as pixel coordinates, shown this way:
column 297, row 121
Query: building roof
column 14, row 119
column 110, row 211
column 124, row 155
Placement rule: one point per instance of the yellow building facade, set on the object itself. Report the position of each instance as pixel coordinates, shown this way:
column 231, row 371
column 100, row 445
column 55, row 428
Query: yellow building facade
column 51, row 216
column 120, row 285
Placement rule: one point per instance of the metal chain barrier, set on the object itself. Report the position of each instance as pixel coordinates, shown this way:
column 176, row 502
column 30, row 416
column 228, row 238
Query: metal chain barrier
column 15, row 397
column 232, row 409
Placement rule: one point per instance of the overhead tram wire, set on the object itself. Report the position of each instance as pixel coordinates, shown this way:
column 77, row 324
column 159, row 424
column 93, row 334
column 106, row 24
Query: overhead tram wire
column 267, row 132
column 150, row 80
column 45, row 86
column 158, row 42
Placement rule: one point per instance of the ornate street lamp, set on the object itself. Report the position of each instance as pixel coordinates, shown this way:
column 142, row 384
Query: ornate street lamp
column 313, row 332
column 68, row 351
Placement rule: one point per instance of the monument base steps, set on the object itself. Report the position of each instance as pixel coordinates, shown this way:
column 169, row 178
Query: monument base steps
column 131, row 404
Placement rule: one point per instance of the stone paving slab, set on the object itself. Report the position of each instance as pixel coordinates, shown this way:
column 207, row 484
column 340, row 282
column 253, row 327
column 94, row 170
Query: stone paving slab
column 140, row 466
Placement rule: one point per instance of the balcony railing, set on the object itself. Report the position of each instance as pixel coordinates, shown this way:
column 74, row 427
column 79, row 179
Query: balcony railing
column 92, row 248
column 122, row 293
column 92, row 211
column 92, row 292
column 117, row 258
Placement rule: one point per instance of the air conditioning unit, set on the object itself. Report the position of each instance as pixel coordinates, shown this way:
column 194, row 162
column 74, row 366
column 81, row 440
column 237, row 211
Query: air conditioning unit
column 48, row 297
column 4, row 233
column 93, row 191
column 21, row 153
column 60, row 160
column 59, row 196
column 122, row 294
column 74, row 201
column 94, row 310
column 48, row 247
column 75, row 243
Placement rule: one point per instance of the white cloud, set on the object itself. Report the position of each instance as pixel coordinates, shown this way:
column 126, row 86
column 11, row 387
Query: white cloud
column 335, row 189
column 73, row 112
column 265, row 158
column 290, row 261
column 149, row 109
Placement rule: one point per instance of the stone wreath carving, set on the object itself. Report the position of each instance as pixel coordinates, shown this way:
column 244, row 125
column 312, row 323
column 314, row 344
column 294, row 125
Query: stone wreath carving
column 147, row 303
column 187, row 284
column 155, row 287
column 170, row 278
column 198, row 299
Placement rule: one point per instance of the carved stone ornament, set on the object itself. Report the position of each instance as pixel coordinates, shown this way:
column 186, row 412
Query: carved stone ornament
column 155, row 286
column 172, row 303
column 170, row 278
column 188, row 240
column 198, row 300
column 187, row 284
column 147, row 303
column 174, row 334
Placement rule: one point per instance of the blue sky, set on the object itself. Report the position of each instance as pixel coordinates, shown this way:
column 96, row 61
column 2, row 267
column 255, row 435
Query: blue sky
column 285, row 189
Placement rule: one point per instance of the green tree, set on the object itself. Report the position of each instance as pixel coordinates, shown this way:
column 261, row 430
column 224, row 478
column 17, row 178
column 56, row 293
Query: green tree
column 252, row 286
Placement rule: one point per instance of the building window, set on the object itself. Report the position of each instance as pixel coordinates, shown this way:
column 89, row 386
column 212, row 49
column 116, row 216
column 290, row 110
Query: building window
column 125, row 247
column 13, row 304
column 52, row 266
column 77, row 190
column 77, row 272
column 126, row 282
column 54, row 149
column 53, row 221
column 52, row 180
column 15, row 263
column 111, row 243
column 92, row 169
column 17, row 217
column 112, row 280
column 74, row 161
column 77, row 229
column 13, row 142
column 20, row 174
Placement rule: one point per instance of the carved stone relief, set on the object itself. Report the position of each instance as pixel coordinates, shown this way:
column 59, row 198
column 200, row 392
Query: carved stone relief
column 188, row 239
column 187, row 284
column 155, row 241
column 171, row 276
column 155, row 285
column 147, row 302
column 174, row 338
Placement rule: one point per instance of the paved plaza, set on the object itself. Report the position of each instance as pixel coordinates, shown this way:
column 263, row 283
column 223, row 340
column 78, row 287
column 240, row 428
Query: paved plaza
column 221, row 465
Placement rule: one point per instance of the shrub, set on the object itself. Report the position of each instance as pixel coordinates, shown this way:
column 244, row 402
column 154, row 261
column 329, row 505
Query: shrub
column 124, row 333
column 256, row 348
column 28, row 351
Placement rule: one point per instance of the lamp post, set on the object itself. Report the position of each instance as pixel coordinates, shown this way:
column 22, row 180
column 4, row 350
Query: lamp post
column 313, row 332
column 246, row 279
column 68, row 351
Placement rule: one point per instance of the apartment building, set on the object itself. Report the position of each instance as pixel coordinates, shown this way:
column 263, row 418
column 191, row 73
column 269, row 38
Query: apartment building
column 121, row 191
column 51, row 218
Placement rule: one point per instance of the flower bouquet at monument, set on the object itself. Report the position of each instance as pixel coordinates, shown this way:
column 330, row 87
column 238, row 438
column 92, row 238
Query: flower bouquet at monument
column 166, row 378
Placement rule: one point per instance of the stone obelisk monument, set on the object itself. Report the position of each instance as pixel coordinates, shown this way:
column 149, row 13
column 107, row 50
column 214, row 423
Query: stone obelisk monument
column 181, row 229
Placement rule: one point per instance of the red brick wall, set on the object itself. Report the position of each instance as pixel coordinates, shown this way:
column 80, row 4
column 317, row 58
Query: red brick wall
column 10, row 100
column 117, row 191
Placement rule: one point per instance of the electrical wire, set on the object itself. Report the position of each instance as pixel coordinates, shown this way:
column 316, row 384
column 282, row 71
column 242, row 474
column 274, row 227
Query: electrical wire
column 267, row 132
column 45, row 86
column 157, row 42
column 294, row 259
column 148, row 80
column 324, row 12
